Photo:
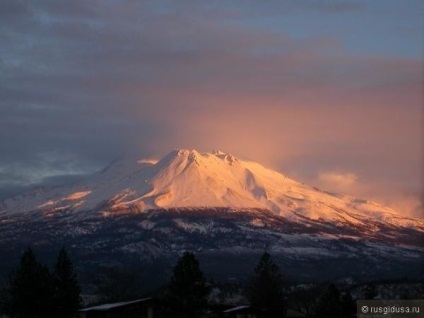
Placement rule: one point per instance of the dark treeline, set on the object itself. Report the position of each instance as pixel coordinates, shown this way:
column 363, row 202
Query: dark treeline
column 34, row 291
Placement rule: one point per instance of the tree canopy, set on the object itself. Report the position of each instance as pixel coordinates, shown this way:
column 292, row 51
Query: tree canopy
column 266, row 289
column 369, row 291
column 34, row 292
column 188, row 289
column 67, row 291
column 328, row 305
column 334, row 304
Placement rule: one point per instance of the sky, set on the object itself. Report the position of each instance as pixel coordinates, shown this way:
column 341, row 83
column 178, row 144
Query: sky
column 328, row 92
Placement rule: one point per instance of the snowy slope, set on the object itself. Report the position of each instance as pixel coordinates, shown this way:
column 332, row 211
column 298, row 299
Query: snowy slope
column 187, row 178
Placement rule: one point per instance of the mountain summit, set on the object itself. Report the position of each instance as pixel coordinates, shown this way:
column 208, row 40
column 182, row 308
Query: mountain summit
column 187, row 179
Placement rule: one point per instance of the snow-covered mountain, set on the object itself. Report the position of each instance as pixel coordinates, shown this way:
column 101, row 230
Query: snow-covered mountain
column 187, row 178
column 225, row 209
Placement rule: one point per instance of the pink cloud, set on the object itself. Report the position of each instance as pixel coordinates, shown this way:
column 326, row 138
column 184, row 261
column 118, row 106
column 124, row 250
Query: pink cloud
column 372, row 126
column 168, row 79
column 336, row 181
column 378, row 190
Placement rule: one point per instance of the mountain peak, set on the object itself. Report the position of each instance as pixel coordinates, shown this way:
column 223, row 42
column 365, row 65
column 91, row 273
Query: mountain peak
column 185, row 152
column 189, row 178
column 208, row 160
column 217, row 152
column 193, row 155
column 177, row 157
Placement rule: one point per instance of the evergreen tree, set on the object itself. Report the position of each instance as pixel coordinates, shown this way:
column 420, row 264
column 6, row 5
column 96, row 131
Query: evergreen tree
column 30, row 290
column 66, row 288
column 188, row 289
column 328, row 305
column 266, row 290
column 348, row 305
column 369, row 291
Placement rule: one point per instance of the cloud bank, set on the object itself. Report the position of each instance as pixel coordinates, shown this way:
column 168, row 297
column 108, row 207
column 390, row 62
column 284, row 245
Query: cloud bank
column 85, row 82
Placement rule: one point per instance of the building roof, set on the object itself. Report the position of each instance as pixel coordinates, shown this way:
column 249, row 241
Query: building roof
column 235, row 309
column 105, row 307
column 293, row 313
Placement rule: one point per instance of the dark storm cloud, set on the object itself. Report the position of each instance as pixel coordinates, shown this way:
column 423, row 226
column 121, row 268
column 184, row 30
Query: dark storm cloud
column 61, row 67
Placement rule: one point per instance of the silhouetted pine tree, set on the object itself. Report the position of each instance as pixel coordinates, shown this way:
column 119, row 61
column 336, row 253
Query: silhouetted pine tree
column 266, row 290
column 30, row 290
column 369, row 291
column 348, row 305
column 66, row 288
column 188, row 289
column 328, row 305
